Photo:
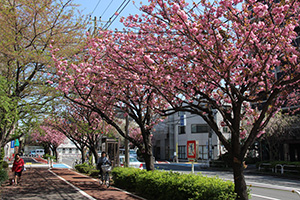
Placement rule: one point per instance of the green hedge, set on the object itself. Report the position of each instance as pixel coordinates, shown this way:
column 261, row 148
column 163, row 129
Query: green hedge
column 171, row 185
column 46, row 156
column 86, row 169
column 3, row 164
column 3, row 176
column 94, row 173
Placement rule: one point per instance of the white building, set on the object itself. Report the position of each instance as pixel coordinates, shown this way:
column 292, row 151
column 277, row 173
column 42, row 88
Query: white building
column 68, row 149
column 171, row 136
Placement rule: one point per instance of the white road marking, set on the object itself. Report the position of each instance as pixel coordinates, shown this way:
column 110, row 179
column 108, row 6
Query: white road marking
column 76, row 188
column 264, row 197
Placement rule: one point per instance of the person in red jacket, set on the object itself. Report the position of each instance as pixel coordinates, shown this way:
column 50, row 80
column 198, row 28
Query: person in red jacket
column 18, row 167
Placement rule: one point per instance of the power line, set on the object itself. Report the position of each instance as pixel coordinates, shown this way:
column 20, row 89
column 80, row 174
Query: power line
column 114, row 16
column 95, row 7
column 106, row 8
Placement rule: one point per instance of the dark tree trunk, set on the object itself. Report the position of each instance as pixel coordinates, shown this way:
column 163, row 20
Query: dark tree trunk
column 239, row 179
column 95, row 154
column 148, row 155
column 82, row 151
column 149, row 161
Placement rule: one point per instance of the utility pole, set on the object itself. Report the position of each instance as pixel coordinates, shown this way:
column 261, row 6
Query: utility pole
column 126, row 163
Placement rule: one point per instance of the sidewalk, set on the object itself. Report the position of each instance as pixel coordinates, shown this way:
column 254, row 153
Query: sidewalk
column 57, row 184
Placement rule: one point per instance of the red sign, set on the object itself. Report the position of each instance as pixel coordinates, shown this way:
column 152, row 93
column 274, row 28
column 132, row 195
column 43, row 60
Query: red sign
column 223, row 123
column 191, row 149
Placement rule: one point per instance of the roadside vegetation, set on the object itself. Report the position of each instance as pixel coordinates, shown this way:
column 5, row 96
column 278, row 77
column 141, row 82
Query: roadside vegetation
column 172, row 185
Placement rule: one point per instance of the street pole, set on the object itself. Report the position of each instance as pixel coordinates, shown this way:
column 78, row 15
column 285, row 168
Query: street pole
column 126, row 163
column 193, row 168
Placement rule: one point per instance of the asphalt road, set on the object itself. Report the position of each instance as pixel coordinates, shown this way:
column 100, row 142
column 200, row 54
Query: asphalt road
column 261, row 187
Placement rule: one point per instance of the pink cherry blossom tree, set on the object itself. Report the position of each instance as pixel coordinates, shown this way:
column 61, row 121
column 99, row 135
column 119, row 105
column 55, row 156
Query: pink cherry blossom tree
column 231, row 57
column 99, row 83
column 48, row 136
column 83, row 127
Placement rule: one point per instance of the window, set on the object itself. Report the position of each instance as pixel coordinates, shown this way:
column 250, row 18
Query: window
column 226, row 129
column 182, row 152
column 200, row 128
column 180, row 113
column 63, row 150
column 181, row 129
column 70, row 150
column 77, row 151
column 203, row 153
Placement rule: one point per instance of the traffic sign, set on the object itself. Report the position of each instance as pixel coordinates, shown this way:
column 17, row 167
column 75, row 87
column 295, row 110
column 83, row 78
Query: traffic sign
column 192, row 150
column 12, row 144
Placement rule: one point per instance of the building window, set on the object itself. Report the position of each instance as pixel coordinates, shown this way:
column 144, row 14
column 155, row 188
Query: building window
column 70, row 150
column 200, row 128
column 203, row 153
column 226, row 129
column 180, row 113
column 77, row 151
column 63, row 150
column 181, row 129
column 182, row 152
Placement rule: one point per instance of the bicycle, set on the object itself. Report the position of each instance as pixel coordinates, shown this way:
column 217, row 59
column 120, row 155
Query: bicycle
column 105, row 172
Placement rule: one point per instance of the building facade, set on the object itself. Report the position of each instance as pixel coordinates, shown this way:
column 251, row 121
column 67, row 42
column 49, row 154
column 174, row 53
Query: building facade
column 171, row 136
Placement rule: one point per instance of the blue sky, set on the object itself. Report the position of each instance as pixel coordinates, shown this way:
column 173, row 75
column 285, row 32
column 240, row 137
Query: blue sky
column 106, row 9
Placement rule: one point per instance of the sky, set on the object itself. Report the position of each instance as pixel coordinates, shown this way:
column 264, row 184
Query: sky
column 106, row 9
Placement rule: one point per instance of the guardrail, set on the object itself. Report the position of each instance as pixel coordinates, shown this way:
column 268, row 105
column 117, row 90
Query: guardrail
column 265, row 166
column 279, row 168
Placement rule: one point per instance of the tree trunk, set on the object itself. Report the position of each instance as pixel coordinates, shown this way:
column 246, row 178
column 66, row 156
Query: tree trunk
column 82, row 151
column 95, row 154
column 148, row 155
column 55, row 153
column 239, row 179
column 149, row 161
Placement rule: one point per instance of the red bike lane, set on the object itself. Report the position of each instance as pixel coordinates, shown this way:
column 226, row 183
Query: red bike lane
column 60, row 183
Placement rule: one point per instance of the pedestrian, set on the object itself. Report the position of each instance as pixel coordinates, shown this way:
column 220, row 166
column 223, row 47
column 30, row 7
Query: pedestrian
column 18, row 167
column 103, row 160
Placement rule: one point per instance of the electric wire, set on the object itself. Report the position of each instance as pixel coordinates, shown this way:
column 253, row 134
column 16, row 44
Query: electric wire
column 106, row 8
column 95, row 7
column 116, row 14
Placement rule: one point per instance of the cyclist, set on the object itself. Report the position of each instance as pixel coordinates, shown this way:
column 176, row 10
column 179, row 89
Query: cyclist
column 103, row 160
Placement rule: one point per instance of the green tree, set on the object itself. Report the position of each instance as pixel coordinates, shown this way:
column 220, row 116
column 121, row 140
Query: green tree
column 29, row 29
column 278, row 130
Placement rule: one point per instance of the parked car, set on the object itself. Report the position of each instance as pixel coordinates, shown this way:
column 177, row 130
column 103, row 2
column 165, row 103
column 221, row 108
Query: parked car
column 132, row 152
column 37, row 152
column 32, row 153
column 40, row 152
column 133, row 162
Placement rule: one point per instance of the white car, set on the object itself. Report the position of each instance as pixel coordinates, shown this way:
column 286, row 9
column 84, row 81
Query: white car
column 133, row 162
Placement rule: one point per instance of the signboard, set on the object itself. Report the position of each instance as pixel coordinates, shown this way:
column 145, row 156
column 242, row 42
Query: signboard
column 223, row 123
column 12, row 144
column 192, row 150
column 182, row 120
column 17, row 143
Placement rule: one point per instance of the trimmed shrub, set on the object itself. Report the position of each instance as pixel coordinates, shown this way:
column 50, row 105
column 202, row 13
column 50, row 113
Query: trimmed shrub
column 46, row 156
column 3, row 164
column 94, row 173
column 84, row 168
column 162, row 185
column 3, row 176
